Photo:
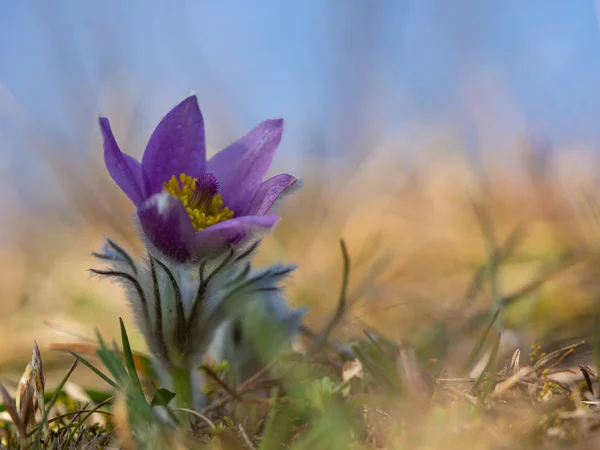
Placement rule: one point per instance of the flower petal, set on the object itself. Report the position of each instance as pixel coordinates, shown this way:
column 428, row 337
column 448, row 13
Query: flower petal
column 268, row 193
column 167, row 227
column 124, row 169
column 241, row 167
column 217, row 238
column 177, row 146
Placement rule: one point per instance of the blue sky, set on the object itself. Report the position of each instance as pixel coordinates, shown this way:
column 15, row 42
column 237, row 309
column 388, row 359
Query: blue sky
column 323, row 65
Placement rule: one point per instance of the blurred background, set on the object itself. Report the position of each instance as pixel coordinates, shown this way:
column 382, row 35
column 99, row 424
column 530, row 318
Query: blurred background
column 426, row 133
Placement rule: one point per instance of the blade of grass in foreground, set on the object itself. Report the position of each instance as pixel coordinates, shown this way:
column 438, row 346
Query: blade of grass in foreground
column 479, row 345
column 341, row 304
column 379, row 363
column 508, row 247
column 488, row 367
column 38, row 436
column 95, row 370
column 86, row 417
column 271, row 438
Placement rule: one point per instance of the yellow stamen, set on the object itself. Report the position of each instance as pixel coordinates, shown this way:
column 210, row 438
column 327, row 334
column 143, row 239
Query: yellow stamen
column 204, row 213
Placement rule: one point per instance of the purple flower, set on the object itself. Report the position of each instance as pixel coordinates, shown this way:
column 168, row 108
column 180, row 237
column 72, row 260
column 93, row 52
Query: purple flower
column 190, row 208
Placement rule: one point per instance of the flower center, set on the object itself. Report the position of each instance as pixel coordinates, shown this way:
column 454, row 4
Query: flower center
column 199, row 196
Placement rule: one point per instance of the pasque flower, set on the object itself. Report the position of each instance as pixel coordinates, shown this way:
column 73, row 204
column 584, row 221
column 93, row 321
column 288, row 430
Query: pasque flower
column 179, row 307
column 190, row 209
column 256, row 332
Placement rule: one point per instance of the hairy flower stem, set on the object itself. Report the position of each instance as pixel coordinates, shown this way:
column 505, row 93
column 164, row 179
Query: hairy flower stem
column 182, row 385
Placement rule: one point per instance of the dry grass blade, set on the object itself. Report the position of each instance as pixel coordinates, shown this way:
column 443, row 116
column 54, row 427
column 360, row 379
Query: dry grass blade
column 556, row 354
column 409, row 369
column 588, row 374
column 11, row 408
column 245, row 437
column 506, row 385
column 216, row 378
column 514, row 361
column 197, row 414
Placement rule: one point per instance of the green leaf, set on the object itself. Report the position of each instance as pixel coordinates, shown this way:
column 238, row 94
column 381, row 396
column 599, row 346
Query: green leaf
column 111, row 361
column 162, row 397
column 133, row 376
column 333, row 430
column 272, row 437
